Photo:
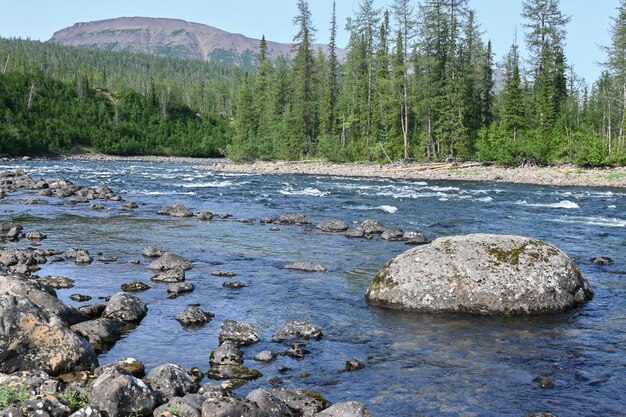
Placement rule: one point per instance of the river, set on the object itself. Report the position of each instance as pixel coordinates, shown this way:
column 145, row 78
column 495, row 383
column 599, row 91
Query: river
column 447, row 365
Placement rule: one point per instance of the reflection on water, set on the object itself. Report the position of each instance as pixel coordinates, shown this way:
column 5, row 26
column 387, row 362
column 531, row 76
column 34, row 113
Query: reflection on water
column 416, row 364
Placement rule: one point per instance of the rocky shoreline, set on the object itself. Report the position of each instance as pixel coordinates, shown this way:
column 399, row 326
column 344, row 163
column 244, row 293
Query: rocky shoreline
column 562, row 175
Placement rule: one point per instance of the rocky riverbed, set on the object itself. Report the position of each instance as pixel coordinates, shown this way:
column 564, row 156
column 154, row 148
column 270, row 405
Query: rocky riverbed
column 308, row 354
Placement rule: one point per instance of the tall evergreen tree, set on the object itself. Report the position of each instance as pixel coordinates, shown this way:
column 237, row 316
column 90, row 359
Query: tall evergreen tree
column 304, row 110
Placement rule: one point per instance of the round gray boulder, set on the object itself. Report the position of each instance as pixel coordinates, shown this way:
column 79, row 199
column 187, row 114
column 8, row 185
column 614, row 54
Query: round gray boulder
column 481, row 274
column 125, row 308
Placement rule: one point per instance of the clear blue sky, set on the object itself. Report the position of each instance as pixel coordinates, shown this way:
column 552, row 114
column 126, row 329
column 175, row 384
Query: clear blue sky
column 39, row 19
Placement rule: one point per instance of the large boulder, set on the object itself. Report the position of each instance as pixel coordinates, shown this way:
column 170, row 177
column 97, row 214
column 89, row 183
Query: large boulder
column 33, row 338
column 294, row 218
column 118, row 394
column 42, row 296
column 481, row 274
column 230, row 407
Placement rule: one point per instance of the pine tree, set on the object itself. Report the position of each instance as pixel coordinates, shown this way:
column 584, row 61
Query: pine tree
column 487, row 88
column 513, row 112
column 328, row 116
column 304, row 110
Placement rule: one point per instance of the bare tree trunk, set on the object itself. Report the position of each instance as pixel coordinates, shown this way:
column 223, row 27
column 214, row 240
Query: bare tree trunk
column 31, row 96
column 343, row 132
column 6, row 64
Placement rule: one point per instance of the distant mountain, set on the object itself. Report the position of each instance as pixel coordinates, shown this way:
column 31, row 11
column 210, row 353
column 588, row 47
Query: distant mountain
column 171, row 37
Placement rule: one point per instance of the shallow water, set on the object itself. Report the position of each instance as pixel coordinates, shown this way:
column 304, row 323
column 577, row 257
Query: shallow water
column 416, row 364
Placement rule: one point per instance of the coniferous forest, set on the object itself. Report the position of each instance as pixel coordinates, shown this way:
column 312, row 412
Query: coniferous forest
column 419, row 82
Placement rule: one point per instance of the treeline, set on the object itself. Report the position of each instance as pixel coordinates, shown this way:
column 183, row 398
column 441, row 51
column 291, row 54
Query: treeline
column 418, row 83
column 41, row 114
column 208, row 87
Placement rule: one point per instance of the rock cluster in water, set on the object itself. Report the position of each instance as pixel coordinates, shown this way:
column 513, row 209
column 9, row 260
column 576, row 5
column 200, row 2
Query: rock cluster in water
column 51, row 348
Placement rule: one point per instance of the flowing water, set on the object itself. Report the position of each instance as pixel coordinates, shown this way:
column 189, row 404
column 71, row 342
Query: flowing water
column 415, row 364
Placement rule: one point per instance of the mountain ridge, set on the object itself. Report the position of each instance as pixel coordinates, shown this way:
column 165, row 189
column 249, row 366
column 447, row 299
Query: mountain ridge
column 172, row 37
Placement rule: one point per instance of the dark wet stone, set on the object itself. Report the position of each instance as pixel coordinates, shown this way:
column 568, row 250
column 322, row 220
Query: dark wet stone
column 297, row 329
column 234, row 285
column 225, row 274
column 80, row 298
column 131, row 205
column 269, row 220
column 194, row 316
column 92, row 311
column 204, row 215
column 241, row 334
column 544, row 381
column 415, row 238
column 296, row 351
column 135, row 286
column 306, row 267
column 276, row 382
column 603, row 260
column 354, row 365
column 96, row 207
column 274, row 229
column 241, row 372
column 102, row 333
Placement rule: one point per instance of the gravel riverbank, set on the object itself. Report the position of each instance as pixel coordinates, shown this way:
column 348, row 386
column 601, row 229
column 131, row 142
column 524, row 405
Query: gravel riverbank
column 563, row 175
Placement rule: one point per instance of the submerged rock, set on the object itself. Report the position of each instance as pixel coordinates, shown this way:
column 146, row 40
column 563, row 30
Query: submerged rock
column 481, row 274
column 294, row 218
column 354, row 365
column 306, row 267
column 176, row 210
column 603, row 260
column 135, row 286
column 297, row 329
